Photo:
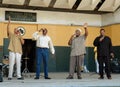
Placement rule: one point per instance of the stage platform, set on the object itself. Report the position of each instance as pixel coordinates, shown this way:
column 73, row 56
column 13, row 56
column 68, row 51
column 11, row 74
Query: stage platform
column 59, row 80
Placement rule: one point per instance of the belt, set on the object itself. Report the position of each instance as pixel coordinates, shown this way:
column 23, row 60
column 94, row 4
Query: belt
column 42, row 47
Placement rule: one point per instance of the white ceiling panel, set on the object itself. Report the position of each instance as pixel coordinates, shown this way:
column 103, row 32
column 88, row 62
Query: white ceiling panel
column 71, row 3
column 99, row 6
column 88, row 4
column 43, row 3
column 110, row 5
column 64, row 4
column 16, row 2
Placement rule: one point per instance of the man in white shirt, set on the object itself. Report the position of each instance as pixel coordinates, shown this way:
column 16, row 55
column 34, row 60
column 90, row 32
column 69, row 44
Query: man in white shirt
column 44, row 42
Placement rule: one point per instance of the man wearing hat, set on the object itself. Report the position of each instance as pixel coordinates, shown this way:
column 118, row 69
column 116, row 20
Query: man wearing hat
column 77, row 43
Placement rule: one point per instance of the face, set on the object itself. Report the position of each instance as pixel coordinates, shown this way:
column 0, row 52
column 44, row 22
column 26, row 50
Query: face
column 102, row 32
column 77, row 32
column 16, row 31
column 45, row 32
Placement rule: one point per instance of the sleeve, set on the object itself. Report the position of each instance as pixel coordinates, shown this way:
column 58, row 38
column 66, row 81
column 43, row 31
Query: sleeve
column 35, row 35
column 51, row 47
column 96, row 42
column 110, row 46
column 10, row 35
column 84, row 37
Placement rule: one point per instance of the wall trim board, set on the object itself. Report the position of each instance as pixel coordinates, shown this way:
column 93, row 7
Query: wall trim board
column 34, row 23
column 110, row 25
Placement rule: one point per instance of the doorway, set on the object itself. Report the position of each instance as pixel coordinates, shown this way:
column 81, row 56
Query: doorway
column 29, row 52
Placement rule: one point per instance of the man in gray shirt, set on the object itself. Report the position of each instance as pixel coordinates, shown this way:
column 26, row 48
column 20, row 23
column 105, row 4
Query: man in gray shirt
column 77, row 43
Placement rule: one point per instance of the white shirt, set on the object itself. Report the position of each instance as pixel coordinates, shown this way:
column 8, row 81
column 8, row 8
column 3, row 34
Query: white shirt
column 44, row 42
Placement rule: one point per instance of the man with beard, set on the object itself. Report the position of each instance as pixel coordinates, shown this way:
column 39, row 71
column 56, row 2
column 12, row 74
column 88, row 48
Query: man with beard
column 77, row 43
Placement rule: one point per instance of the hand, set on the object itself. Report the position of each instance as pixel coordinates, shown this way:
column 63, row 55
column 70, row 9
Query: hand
column 53, row 55
column 41, row 30
column 85, row 25
column 101, row 38
column 19, row 36
column 73, row 36
column 112, row 55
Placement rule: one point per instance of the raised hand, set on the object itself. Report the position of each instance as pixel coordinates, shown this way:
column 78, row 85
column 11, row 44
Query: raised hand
column 41, row 30
column 85, row 25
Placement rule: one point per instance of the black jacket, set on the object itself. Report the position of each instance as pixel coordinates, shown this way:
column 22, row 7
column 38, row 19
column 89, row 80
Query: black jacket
column 104, row 48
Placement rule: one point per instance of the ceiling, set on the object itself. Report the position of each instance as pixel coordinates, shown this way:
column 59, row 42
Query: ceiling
column 76, row 6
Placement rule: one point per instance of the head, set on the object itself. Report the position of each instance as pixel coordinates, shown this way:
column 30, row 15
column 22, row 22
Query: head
column 102, row 32
column 44, row 31
column 78, row 32
column 16, row 31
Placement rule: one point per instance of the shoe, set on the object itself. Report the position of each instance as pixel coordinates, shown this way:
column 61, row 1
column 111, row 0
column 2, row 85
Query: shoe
column 101, row 78
column 47, row 78
column 79, row 77
column 21, row 78
column 9, row 78
column 69, row 77
column 36, row 78
column 109, row 78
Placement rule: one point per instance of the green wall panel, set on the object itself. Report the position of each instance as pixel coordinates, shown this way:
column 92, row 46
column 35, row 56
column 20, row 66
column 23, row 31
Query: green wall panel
column 62, row 58
column 90, row 62
column 60, row 62
column 5, row 47
column 116, row 50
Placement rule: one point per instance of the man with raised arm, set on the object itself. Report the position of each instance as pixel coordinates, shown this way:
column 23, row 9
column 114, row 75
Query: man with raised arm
column 15, row 51
column 77, row 43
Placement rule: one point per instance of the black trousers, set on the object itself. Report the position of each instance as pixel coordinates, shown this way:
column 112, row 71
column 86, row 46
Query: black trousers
column 104, row 60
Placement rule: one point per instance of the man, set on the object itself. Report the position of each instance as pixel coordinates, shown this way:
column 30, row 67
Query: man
column 77, row 43
column 15, row 51
column 42, row 53
column 104, row 50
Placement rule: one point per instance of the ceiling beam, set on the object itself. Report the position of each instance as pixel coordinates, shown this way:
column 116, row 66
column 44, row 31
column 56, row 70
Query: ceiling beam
column 117, row 8
column 75, row 6
column 26, row 3
column 1, row 1
column 50, row 9
column 52, row 3
column 99, row 5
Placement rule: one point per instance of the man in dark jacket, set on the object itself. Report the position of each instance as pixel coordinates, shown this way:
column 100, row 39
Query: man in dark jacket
column 104, row 50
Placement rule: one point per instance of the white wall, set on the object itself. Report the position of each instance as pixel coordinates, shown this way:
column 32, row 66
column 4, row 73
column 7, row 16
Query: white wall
column 68, row 18
column 111, row 18
column 117, row 16
column 107, row 19
column 65, row 18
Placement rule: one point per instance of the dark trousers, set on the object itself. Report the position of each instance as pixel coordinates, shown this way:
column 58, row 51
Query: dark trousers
column 42, row 54
column 104, row 60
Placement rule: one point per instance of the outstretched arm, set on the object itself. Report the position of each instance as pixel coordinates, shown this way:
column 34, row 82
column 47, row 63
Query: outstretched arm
column 8, row 26
column 21, row 39
column 86, row 30
column 36, row 34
